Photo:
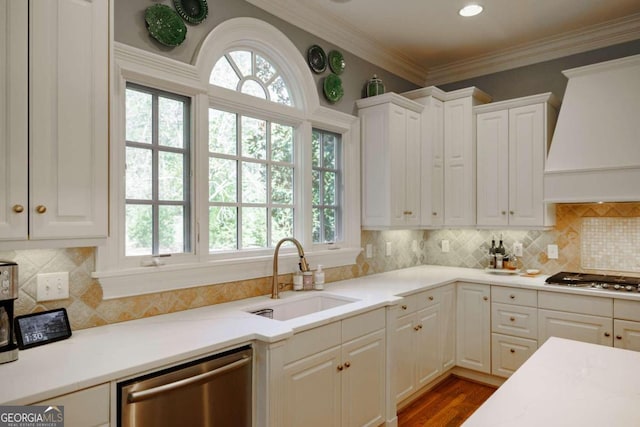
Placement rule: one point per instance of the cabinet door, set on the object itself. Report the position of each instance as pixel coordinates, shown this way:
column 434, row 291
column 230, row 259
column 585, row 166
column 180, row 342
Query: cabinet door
column 448, row 326
column 459, row 163
column 89, row 407
column 573, row 326
column 412, row 169
column 427, row 356
column 397, row 141
column 13, row 119
column 68, row 118
column 473, row 338
column 627, row 334
column 363, row 381
column 493, row 167
column 432, row 181
column 404, row 353
column 527, row 151
column 312, row 390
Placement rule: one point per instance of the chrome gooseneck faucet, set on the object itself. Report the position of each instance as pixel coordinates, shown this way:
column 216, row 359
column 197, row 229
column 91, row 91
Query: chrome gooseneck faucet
column 304, row 266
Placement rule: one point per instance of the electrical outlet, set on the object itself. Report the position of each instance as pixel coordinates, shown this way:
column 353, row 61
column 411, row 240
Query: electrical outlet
column 368, row 250
column 387, row 249
column 414, row 246
column 552, row 251
column 517, row 248
column 445, row 246
column 52, row 286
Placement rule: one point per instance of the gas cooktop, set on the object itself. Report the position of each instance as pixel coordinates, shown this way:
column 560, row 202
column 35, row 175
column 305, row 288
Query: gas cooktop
column 595, row 281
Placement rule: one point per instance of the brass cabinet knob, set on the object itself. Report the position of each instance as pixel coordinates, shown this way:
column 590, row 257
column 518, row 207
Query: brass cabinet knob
column 485, row 298
column 434, row 213
column 340, row 367
column 513, row 319
column 404, row 306
column 347, row 364
column 512, row 296
column 431, row 298
column 512, row 350
column 18, row 208
column 503, row 212
column 407, row 212
column 41, row 209
column 416, row 328
column 607, row 334
column 511, row 212
column 618, row 337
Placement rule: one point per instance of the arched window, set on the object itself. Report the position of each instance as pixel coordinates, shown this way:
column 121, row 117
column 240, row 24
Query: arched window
column 252, row 74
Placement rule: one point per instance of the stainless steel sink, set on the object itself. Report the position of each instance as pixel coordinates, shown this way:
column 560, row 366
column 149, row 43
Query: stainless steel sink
column 297, row 306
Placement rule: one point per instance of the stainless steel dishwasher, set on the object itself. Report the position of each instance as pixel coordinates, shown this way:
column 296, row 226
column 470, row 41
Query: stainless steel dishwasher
column 210, row 392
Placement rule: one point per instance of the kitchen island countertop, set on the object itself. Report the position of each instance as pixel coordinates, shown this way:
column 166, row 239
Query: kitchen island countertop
column 570, row 384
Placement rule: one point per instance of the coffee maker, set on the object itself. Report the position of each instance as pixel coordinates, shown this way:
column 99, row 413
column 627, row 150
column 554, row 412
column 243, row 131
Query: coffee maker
column 8, row 295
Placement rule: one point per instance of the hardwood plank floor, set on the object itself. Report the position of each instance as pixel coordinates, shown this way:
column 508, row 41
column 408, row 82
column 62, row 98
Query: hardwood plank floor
column 446, row 405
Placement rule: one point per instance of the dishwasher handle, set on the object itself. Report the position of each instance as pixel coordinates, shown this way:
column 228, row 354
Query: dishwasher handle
column 138, row 396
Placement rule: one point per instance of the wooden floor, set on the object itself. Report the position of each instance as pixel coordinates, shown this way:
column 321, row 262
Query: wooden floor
column 447, row 405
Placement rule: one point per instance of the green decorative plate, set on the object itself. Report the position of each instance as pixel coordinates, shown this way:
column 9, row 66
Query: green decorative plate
column 336, row 61
column 192, row 11
column 333, row 90
column 317, row 59
column 164, row 25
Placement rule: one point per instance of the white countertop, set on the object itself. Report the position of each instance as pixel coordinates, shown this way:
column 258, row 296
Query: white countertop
column 567, row 383
column 98, row 355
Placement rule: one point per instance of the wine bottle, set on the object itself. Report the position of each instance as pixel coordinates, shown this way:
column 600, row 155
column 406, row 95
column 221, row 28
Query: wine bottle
column 492, row 253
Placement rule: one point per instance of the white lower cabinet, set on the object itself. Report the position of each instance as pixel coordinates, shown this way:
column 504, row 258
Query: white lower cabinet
column 335, row 374
column 627, row 334
column 509, row 353
column 473, row 326
column 424, row 339
column 514, row 327
column 87, row 408
column 576, row 317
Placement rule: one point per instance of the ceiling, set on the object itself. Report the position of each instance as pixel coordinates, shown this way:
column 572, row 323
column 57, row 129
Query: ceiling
column 427, row 42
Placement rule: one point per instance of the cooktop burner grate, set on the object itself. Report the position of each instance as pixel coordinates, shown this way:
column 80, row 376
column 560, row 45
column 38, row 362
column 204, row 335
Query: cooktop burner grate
column 595, row 281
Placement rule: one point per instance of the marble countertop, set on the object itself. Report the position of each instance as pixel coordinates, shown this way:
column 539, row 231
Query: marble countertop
column 570, row 384
column 102, row 354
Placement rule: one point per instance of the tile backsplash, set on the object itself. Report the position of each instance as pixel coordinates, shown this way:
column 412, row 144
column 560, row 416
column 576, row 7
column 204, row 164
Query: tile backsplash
column 589, row 237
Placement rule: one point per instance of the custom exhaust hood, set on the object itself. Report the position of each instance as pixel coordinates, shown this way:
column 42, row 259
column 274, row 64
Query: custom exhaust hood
column 595, row 150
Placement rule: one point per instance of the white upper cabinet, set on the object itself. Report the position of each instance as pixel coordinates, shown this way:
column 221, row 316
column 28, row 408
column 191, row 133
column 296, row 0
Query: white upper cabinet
column 460, row 156
column 391, row 164
column 512, row 141
column 67, row 52
column 432, row 153
column 13, row 119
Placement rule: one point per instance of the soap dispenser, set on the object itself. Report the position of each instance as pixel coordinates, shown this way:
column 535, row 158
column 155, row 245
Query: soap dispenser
column 318, row 283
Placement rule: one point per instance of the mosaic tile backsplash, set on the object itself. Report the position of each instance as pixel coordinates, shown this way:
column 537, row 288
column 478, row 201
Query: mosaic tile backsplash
column 589, row 237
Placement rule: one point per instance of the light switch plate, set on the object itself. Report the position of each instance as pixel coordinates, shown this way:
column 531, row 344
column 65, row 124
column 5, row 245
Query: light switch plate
column 52, row 286
column 387, row 249
column 552, row 251
column 368, row 250
column 517, row 248
column 445, row 246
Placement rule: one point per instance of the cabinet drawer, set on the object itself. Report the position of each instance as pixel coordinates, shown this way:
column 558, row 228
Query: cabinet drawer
column 312, row 341
column 408, row 305
column 628, row 310
column 89, row 407
column 514, row 320
column 596, row 306
column 427, row 298
column 572, row 326
column 509, row 353
column 363, row 324
column 527, row 297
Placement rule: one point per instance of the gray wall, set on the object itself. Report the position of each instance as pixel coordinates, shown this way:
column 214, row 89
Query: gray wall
column 129, row 28
column 542, row 77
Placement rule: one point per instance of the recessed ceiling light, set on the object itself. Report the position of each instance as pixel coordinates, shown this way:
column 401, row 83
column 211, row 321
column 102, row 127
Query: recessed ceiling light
column 470, row 10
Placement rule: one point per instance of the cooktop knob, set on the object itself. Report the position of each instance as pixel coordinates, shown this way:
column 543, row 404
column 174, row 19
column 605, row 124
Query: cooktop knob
column 616, row 286
column 605, row 285
column 629, row 288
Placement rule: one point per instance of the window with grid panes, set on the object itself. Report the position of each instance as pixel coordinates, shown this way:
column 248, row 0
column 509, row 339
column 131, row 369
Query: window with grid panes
column 326, row 163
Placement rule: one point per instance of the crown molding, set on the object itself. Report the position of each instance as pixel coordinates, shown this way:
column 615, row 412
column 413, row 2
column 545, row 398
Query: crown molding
column 337, row 31
column 570, row 43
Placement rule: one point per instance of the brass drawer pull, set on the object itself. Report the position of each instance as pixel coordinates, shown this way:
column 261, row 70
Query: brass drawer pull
column 41, row 209
column 18, row 208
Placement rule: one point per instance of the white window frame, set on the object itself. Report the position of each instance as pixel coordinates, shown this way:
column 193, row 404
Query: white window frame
column 122, row 277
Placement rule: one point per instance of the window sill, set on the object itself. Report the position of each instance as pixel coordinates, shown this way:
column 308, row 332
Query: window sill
column 147, row 280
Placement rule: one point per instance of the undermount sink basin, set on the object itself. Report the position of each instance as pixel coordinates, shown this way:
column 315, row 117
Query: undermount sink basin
column 299, row 306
